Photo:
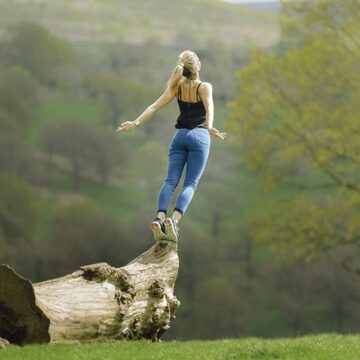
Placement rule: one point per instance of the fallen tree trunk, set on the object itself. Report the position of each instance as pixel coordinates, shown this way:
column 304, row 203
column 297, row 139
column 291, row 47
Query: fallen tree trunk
column 3, row 343
column 96, row 302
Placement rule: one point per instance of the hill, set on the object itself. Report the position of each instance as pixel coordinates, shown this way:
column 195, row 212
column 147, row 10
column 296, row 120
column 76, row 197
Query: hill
column 140, row 21
column 272, row 5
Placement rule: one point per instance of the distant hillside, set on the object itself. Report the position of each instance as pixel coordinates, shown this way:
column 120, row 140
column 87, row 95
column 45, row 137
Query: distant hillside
column 137, row 21
column 260, row 5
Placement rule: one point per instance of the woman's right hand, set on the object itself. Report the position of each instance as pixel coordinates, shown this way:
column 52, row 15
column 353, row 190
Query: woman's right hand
column 216, row 133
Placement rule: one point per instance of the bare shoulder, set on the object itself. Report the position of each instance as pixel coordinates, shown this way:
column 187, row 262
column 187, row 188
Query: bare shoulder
column 205, row 88
column 206, row 85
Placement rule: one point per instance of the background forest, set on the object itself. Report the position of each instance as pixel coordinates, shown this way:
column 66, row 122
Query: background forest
column 270, row 243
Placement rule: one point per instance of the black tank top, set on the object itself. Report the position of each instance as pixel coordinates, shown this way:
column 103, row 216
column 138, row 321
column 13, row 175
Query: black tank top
column 192, row 114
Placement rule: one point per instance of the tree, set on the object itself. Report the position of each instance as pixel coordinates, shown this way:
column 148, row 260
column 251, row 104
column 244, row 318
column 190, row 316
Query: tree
column 18, row 214
column 80, row 233
column 15, row 157
column 122, row 97
column 301, row 22
column 86, row 147
column 18, row 94
column 44, row 55
column 297, row 114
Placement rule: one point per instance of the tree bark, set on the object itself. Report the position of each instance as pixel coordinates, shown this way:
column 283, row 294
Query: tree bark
column 96, row 302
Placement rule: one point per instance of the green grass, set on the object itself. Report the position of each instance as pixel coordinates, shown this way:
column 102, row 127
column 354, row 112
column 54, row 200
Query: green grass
column 59, row 109
column 312, row 347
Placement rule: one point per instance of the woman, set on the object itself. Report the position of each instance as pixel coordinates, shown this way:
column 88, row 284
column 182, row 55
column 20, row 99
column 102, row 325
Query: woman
column 190, row 144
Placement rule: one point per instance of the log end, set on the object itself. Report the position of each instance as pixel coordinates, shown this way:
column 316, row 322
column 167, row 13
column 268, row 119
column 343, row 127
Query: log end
column 3, row 343
column 21, row 320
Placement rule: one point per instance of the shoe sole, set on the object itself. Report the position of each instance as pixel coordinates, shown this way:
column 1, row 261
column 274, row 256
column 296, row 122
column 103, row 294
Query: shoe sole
column 170, row 230
column 157, row 232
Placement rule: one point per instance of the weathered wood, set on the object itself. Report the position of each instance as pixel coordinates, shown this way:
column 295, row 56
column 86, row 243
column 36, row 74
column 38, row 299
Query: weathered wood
column 96, row 302
column 3, row 343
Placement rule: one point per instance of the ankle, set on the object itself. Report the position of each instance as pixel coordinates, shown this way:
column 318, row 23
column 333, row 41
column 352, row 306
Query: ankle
column 161, row 216
column 176, row 215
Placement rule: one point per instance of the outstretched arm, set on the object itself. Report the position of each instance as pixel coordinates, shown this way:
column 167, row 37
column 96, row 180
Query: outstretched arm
column 207, row 98
column 149, row 112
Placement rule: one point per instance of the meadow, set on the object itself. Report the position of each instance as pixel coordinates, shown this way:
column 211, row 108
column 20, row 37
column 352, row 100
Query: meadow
column 311, row 347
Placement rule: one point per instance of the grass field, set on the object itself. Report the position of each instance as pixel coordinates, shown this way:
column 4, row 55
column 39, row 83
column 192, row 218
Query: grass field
column 312, row 347
column 59, row 109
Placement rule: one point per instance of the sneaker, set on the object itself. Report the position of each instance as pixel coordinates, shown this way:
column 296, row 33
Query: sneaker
column 172, row 229
column 158, row 229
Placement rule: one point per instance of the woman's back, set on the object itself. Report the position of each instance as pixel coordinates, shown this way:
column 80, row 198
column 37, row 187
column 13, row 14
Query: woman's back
column 192, row 109
column 188, row 93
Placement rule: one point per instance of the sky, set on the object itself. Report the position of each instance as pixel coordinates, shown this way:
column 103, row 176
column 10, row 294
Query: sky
column 254, row 1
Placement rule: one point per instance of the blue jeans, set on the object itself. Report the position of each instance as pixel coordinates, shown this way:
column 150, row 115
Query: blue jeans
column 190, row 146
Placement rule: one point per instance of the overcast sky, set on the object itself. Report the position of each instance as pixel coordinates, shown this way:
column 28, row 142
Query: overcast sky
column 254, row 1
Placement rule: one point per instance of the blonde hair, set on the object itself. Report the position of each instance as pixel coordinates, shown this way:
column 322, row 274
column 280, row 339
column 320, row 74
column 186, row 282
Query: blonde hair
column 189, row 60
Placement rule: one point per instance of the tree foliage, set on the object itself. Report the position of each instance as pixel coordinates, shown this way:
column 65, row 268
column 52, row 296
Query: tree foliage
column 18, row 94
column 85, row 146
column 80, row 233
column 298, row 118
column 121, row 97
column 44, row 55
column 15, row 157
column 18, row 209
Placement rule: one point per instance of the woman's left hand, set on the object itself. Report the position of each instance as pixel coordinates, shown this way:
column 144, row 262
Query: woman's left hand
column 217, row 133
column 126, row 126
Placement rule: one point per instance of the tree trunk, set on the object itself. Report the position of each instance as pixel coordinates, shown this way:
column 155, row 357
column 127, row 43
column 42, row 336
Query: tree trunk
column 97, row 302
